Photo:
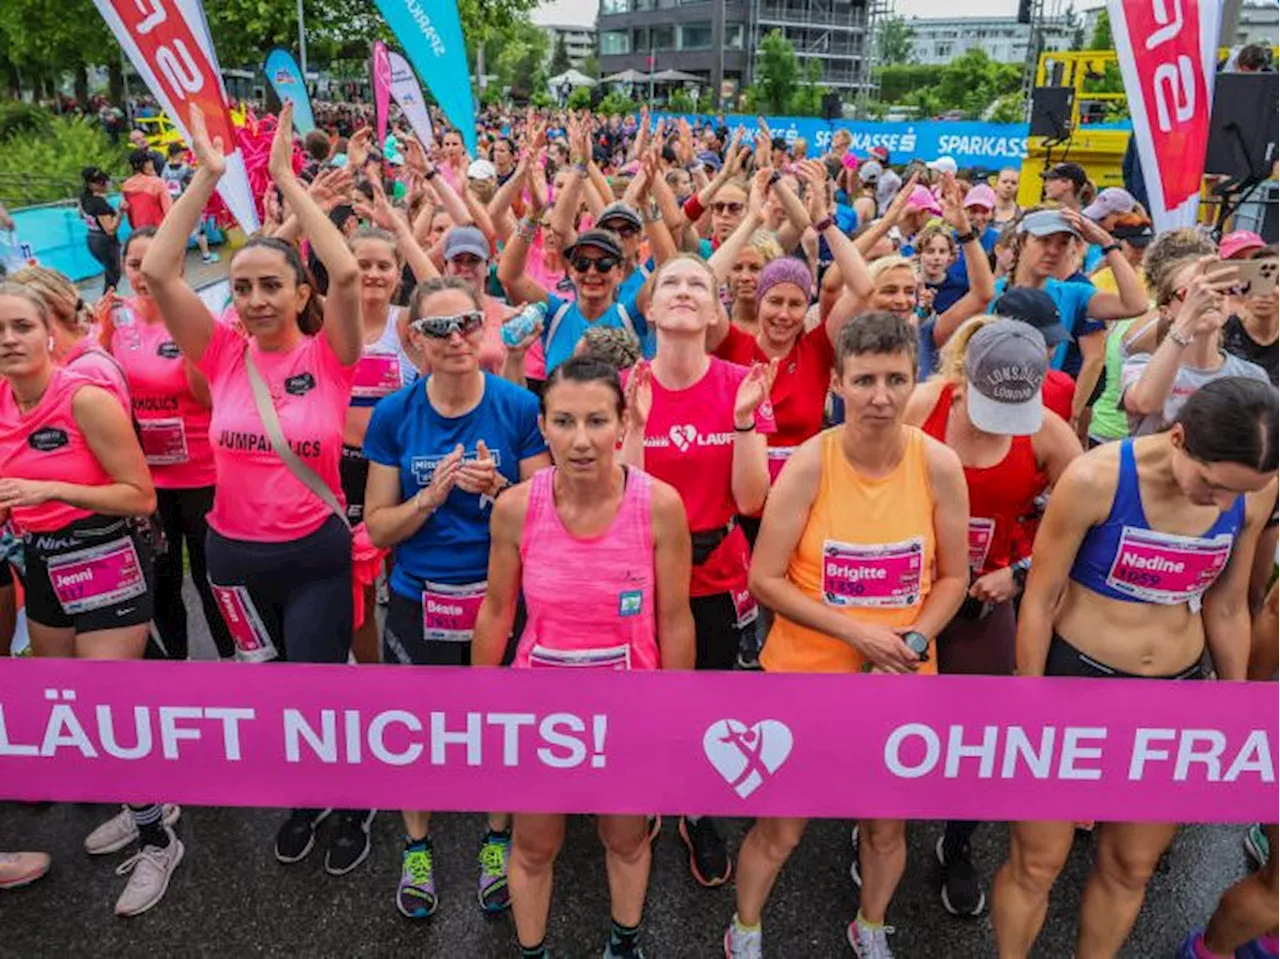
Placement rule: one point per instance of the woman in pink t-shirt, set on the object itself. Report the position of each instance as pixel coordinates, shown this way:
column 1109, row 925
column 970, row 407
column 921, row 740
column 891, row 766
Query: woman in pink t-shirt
column 629, row 529
column 279, row 553
column 170, row 402
column 74, row 482
column 693, row 424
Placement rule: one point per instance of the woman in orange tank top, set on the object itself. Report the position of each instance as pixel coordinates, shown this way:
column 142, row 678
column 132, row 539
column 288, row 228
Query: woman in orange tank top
column 863, row 554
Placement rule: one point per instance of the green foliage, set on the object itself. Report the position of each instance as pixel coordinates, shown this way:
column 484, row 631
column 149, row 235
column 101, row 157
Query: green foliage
column 783, row 84
column 591, row 67
column 40, row 38
column 1009, row 108
column 18, row 117
column 518, row 55
column 894, row 41
column 899, row 80
column 681, row 102
column 492, row 94
column 617, row 104
column 1101, row 39
column 542, row 99
column 53, row 158
column 970, row 83
column 580, row 98
column 559, row 57
column 806, row 99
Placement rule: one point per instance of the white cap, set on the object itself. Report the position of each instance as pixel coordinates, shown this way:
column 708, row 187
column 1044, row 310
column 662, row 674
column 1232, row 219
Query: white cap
column 943, row 164
column 482, row 170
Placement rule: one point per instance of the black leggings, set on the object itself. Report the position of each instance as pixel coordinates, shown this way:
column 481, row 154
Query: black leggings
column 301, row 589
column 106, row 250
column 182, row 516
column 718, row 637
column 1065, row 660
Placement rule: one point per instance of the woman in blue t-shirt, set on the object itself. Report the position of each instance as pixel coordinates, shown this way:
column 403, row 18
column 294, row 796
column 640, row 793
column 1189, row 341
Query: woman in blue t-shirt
column 440, row 451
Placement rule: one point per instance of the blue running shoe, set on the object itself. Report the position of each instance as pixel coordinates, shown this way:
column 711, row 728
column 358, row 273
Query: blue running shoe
column 495, row 854
column 416, row 894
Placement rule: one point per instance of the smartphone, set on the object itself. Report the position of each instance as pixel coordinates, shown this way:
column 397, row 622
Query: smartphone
column 1256, row 277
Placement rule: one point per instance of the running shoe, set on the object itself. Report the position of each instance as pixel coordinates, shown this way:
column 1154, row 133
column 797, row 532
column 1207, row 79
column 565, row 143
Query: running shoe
column 1256, row 845
column 962, row 893
column 708, row 858
column 416, row 894
column 1264, row 948
column 743, row 943
column 613, row 951
column 870, row 943
column 22, row 868
column 210, row 258
column 149, row 871
column 120, row 830
column 855, row 867
column 495, row 853
column 349, row 845
column 297, row 835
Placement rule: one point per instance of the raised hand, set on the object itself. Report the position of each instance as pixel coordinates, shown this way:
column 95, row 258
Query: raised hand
column 209, row 153
column 640, row 395
column 894, row 213
column 754, row 390
column 280, row 162
column 952, row 199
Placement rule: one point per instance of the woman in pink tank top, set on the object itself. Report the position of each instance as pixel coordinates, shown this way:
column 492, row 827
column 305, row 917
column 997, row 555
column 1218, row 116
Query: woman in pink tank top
column 74, row 482
column 589, row 512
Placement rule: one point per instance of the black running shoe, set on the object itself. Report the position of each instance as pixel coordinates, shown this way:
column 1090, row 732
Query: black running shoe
column 297, row 834
column 349, row 845
column 708, row 859
column 962, row 893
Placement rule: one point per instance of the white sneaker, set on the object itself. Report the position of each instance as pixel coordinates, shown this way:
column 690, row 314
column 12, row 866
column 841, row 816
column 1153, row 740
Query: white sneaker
column 742, row 943
column 22, row 868
column 870, row 943
column 151, row 869
column 120, row 830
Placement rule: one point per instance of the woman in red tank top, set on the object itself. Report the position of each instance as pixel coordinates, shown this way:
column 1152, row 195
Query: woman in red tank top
column 987, row 406
column 74, row 483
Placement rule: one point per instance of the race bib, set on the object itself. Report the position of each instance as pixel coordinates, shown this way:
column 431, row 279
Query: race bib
column 778, row 456
column 1165, row 568
column 449, row 612
column 164, row 441
column 377, row 375
column 611, row 657
column 248, row 632
column 883, row 576
column 981, row 532
column 97, row 577
column 744, row 606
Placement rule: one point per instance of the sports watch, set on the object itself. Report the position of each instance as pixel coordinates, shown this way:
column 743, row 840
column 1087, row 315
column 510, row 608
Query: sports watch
column 918, row 643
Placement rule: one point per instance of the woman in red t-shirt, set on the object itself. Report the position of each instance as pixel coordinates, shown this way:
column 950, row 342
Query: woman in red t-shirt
column 692, row 424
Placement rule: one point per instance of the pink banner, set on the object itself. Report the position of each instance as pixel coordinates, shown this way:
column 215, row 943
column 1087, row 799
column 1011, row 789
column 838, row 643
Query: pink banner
column 1168, row 54
column 566, row 740
column 381, row 91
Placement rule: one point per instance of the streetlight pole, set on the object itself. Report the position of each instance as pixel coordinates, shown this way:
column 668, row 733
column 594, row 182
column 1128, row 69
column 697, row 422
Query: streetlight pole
column 302, row 45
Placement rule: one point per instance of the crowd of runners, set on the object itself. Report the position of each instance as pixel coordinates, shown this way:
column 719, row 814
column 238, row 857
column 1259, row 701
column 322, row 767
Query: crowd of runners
column 634, row 394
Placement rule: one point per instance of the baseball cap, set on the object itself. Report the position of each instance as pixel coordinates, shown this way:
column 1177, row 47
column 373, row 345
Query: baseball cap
column 620, row 211
column 870, row 172
column 1110, row 201
column 711, row 159
column 1066, row 171
column 1135, row 234
column 1241, row 241
column 981, row 195
column 1035, row 308
column 599, row 239
column 1005, row 364
column 1046, row 223
column 465, row 239
column 881, row 153
column 482, row 170
column 923, row 199
column 944, row 164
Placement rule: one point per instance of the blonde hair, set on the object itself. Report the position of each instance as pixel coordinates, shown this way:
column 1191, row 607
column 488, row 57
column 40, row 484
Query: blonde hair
column 951, row 361
column 765, row 242
column 23, row 292
column 884, row 264
column 63, row 303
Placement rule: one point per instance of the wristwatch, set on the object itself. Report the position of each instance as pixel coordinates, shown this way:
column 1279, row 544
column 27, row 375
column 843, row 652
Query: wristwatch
column 969, row 237
column 1020, row 570
column 1110, row 248
column 918, row 643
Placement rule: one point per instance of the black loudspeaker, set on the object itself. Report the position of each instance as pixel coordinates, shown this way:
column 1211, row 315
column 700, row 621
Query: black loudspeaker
column 1051, row 112
column 1242, row 127
column 831, row 106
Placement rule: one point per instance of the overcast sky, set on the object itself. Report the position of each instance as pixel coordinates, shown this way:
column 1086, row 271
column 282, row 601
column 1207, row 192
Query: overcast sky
column 584, row 11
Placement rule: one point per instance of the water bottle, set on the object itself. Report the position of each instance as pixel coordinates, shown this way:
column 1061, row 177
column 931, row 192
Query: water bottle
column 522, row 324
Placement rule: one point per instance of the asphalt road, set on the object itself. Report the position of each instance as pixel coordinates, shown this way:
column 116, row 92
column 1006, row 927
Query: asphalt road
column 231, row 898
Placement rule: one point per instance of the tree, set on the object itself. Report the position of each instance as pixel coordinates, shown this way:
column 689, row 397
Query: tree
column 559, row 57
column 518, row 55
column 42, row 40
column 806, row 100
column 776, row 75
column 1101, row 39
column 894, row 41
column 579, row 99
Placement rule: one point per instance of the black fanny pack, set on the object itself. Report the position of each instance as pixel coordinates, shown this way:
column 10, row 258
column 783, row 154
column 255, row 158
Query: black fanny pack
column 706, row 541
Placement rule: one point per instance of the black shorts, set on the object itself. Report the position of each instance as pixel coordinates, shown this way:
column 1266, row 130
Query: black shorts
column 353, row 470
column 104, row 569
column 718, row 637
column 1065, row 660
column 402, row 642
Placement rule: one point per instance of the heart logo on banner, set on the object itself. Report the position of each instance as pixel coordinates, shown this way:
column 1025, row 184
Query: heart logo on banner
column 747, row 756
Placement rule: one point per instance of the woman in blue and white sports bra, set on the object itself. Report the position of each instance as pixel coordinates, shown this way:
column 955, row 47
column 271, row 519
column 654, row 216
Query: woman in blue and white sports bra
column 1140, row 566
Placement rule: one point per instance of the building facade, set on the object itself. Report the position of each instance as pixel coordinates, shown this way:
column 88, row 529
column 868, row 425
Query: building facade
column 579, row 41
column 1003, row 39
column 716, row 40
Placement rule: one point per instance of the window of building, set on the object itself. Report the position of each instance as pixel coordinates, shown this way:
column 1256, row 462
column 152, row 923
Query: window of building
column 696, row 36
column 615, row 41
column 735, row 36
column 640, row 39
column 663, row 38
column 615, row 6
column 942, row 49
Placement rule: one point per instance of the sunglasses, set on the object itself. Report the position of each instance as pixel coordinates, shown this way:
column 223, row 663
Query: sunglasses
column 624, row 230
column 733, row 209
column 603, row 264
column 443, row 327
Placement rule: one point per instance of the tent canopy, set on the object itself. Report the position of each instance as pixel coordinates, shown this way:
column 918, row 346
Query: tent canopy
column 674, row 76
column 627, row 76
column 574, row 78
